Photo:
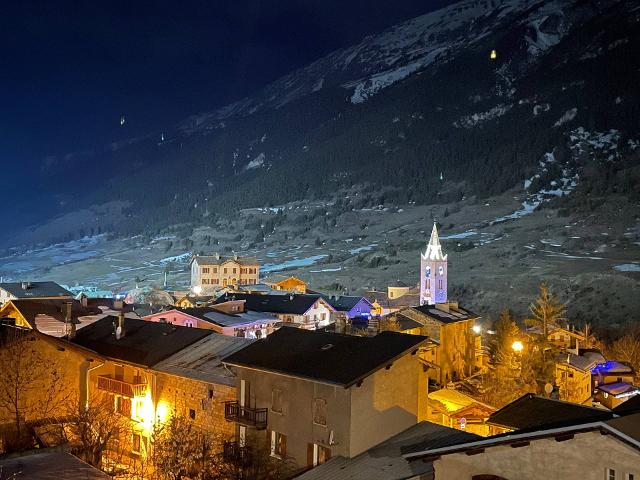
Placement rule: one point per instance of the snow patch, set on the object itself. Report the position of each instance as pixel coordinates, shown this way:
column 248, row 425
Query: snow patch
column 566, row 117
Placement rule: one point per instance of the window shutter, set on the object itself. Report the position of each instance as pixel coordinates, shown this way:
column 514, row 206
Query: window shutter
column 310, row 455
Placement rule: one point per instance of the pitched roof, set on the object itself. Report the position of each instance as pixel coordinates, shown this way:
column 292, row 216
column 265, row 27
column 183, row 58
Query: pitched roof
column 625, row 429
column 584, row 362
column 619, row 388
column 451, row 314
column 385, row 461
column 49, row 465
column 145, row 343
column 203, row 359
column 629, row 406
column 532, row 411
column 219, row 260
column 35, row 289
column 295, row 304
column 56, row 309
column 344, row 303
column 324, row 357
column 453, row 400
column 213, row 315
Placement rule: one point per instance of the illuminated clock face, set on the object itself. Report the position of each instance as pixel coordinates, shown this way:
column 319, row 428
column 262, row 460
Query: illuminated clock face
column 441, row 270
column 427, row 271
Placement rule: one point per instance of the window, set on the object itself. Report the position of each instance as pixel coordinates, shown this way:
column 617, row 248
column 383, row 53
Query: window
column 205, row 270
column 278, row 444
column 225, row 270
column 320, row 411
column 234, row 270
column 631, row 476
column 210, row 393
column 136, row 443
column 317, row 454
column 192, row 414
column 205, row 281
column 215, row 269
column 611, row 474
column 123, row 406
column 276, row 400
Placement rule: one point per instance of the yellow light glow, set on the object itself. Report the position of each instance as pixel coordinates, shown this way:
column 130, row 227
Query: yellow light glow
column 517, row 346
column 162, row 412
column 146, row 412
column 477, row 329
column 493, row 55
column 197, row 289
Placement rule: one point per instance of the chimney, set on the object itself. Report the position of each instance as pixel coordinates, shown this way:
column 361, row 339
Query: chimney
column 291, row 296
column 84, row 300
column 120, row 331
column 26, row 285
column 235, row 256
column 217, row 255
column 69, row 326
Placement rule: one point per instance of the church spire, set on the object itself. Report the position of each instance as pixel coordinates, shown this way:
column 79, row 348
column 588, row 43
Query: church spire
column 434, row 249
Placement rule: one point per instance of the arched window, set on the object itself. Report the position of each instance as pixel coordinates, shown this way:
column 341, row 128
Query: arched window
column 427, row 272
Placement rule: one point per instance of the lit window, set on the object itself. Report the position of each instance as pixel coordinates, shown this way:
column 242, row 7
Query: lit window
column 136, row 443
column 428, row 271
column 278, row 444
column 192, row 414
column 441, row 270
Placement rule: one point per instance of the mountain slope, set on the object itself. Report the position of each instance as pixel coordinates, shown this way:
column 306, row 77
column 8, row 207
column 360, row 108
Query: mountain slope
column 397, row 111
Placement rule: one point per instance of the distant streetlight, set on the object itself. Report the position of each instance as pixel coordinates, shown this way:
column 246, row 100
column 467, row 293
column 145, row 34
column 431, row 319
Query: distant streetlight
column 517, row 346
column 197, row 289
column 493, row 55
column 476, row 329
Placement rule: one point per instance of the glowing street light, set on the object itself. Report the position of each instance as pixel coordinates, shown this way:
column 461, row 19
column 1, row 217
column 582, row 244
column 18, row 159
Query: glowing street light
column 517, row 346
column 197, row 289
column 476, row 329
column 493, row 55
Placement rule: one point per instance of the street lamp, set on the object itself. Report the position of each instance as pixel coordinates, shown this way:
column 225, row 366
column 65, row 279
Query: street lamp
column 476, row 329
column 197, row 289
column 517, row 346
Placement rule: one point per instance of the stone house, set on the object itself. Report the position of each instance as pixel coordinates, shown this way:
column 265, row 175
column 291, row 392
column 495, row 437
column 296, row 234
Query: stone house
column 315, row 395
column 152, row 370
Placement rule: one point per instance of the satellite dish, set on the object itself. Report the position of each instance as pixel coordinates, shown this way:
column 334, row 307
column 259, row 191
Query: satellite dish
column 118, row 332
column 548, row 388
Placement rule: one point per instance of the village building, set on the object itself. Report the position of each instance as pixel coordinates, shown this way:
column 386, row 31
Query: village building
column 153, row 370
column 601, row 449
column 433, row 272
column 385, row 461
column 209, row 273
column 33, row 291
column 455, row 409
column 535, row 412
column 290, row 284
column 230, row 321
column 191, row 300
column 316, row 395
column 451, row 327
column 611, row 395
column 308, row 312
column 573, row 376
column 350, row 311
column 52, row 317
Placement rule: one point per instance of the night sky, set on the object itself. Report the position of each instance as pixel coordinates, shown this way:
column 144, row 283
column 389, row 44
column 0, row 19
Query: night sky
column 70, row 69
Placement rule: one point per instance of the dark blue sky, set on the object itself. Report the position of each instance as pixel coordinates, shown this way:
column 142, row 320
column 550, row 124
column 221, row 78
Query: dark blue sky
column 69, row 69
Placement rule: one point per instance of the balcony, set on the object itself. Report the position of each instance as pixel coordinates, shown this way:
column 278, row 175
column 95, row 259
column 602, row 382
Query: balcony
column 235, row 454
column 119, row 387
column 250, row 417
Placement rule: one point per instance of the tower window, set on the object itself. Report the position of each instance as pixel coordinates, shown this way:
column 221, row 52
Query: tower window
column 441, row 270
column 428, row 272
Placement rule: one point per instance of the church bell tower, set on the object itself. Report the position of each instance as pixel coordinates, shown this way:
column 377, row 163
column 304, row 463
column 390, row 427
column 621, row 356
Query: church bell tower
column 433, row 272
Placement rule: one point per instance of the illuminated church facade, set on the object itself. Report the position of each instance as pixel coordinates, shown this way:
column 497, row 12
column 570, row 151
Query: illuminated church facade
column 433, row 272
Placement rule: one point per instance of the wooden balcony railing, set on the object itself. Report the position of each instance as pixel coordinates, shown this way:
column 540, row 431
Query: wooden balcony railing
column 131, row 390
column 251, row 417
column 234, row 453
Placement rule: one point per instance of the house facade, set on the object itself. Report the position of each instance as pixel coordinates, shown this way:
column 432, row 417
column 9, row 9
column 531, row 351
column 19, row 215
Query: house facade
column 317, row 407
column 213, row 272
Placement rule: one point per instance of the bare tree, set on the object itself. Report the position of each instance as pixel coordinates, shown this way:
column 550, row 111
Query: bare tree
column 32, row 385
column 95, row 428
column 626, row 349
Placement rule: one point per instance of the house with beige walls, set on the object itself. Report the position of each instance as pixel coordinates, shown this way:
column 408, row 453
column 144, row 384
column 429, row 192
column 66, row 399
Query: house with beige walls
column 211, row 272
column 599, row 450
column 313, row 395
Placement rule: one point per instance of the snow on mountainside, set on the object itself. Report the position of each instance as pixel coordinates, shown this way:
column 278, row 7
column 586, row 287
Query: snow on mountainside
column 381, row 60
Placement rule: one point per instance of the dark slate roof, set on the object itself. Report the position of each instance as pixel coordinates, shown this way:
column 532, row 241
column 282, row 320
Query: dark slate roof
column 35, row 289
column 294, row 304
column 145, row 343
column 533, row 412
column 50, row 465
column 385, row 461
column 325, row 357
column 406, row 323
column 629, row 406
column 343, row 303
column 213, row 315
column 57, row 309
column 455, row 314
